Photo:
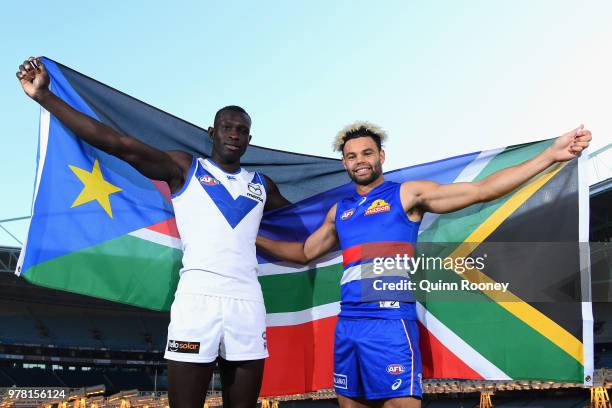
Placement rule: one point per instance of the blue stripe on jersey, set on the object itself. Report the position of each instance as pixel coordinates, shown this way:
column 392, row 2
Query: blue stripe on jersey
column 194, row 164
column 234, row 210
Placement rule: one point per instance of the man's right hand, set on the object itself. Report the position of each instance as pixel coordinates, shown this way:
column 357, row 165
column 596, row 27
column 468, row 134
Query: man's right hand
column 153, row 163
column 34, row 78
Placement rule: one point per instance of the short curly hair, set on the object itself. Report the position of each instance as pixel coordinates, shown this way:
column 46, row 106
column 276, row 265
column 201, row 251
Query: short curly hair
column 359, row 129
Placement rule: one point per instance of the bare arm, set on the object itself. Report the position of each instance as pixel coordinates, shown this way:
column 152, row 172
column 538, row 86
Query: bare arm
column 274, row 198
column 428, row 196
column 318, row 243
column 170, row 167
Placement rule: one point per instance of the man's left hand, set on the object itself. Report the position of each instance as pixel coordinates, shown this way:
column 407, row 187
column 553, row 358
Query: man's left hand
column 570, row 145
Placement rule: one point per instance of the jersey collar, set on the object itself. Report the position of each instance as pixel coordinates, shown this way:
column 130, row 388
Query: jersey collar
column 359, row 197
column 219, row 167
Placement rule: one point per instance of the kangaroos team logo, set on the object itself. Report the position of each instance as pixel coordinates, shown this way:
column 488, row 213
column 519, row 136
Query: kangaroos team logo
column 347, row 214
column 378, row 206
column 255, row 189
column 208, row 180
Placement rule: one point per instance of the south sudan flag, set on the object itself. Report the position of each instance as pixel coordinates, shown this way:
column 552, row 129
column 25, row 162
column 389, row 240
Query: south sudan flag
column 100, row 228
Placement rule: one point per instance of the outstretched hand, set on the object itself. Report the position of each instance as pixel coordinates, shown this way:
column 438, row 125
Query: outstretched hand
column 571, row 144
column 33, row 77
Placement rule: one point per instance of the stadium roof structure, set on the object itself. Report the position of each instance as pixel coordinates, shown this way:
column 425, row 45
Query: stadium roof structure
column 600, row 163
column 601, row 187
column 8, row 259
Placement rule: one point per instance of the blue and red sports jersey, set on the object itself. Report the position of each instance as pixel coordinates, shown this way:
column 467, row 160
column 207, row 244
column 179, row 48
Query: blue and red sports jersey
column 370, row 227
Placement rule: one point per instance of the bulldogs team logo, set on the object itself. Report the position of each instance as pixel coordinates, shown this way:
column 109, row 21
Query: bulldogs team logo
column 347, row 214
column 178, row 346
column 377, row 207
column 395, row 369
column 208, row 180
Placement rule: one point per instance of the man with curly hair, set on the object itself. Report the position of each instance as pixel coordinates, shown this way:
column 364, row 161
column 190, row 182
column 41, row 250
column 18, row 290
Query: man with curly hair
column 376, row 356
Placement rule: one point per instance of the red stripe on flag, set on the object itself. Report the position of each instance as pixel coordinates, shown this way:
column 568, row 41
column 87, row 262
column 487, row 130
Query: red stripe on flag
column 376, row 250
column 163, row 188
column 301, row 358
column 448, row 365
column 167, row 227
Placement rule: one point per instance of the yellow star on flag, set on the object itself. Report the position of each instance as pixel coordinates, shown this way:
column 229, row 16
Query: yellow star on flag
column 94, row 188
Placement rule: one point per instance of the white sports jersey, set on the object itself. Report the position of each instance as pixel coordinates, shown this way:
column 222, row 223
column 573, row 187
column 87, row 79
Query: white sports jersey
column 218, row 216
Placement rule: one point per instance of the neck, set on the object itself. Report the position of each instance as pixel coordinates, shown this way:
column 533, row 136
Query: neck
column 228, row 166
column 365, row 189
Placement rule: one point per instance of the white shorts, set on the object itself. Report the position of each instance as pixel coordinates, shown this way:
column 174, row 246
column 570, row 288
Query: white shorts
column 203, row 327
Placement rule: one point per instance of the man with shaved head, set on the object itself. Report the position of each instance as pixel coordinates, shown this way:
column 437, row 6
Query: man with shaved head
column 218, row 312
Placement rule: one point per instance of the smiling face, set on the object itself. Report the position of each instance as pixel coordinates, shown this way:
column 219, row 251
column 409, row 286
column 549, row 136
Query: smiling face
column 363, row 160
column 230, row 136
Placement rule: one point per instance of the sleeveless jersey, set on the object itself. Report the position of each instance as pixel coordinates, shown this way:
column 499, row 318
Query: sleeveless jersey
column 372, row 228
column 218, row 216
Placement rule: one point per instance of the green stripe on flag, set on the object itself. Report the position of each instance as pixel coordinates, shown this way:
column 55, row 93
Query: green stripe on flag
column 506, row 341
column 315, row 287
column 125, row 269
column 495, row 339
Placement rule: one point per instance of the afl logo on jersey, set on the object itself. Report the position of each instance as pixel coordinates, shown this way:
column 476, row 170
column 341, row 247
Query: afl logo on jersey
column 378, row 206
column 347, row 214
column 208, row 180
column 395, row 369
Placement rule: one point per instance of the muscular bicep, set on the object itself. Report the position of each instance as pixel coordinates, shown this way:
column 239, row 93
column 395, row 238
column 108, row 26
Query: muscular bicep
column 429, row 196
column 153, row 163
column 324, row 239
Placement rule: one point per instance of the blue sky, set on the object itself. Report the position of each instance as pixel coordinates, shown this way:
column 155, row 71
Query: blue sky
column 442, row 77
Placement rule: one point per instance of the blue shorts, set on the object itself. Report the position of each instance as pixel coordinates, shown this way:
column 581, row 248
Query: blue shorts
column 377, row 358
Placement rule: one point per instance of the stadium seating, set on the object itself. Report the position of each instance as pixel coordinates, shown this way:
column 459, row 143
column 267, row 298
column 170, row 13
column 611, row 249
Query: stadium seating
column 82, row 327
column 17, row 326
column 127, row 380
column 67, row 326
column 115, row 332
column 5, row 380
column 157, row 327
column 31, row 377
column 82, row 378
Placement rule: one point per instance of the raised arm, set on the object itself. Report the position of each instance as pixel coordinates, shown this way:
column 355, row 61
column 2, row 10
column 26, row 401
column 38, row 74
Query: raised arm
column 318, row 243
column 428, row 196
column 170, row 167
